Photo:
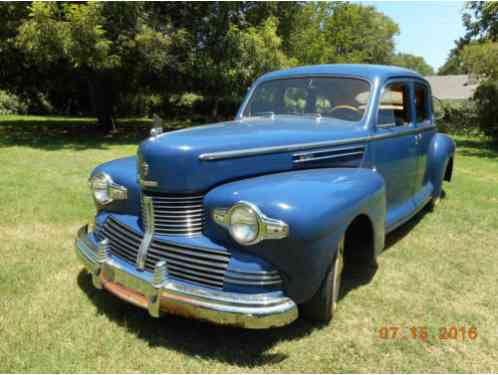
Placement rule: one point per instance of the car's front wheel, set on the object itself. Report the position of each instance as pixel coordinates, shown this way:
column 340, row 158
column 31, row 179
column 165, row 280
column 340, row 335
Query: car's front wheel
column 322, row 306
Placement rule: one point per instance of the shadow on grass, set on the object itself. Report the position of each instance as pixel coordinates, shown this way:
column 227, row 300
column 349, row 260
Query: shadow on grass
column 230, row 345
column 55, row 133
column 356, row 276
column 475, row 147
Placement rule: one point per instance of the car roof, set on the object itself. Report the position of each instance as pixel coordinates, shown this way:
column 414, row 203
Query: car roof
column 366, row 71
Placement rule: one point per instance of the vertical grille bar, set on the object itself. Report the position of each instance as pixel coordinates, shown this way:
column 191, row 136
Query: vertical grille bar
column 148, row 216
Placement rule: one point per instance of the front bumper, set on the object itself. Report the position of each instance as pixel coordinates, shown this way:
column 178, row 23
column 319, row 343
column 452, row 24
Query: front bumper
column 156, row 293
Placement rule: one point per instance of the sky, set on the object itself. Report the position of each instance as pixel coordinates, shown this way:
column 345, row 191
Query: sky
column 427, row 29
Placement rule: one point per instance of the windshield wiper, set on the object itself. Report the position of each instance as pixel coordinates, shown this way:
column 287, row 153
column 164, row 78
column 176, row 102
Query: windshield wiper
column 313, row 114
column 264, row 114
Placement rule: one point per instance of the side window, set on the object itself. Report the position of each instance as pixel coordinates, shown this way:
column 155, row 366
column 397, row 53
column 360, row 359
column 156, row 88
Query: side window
column 394, row 106
column 421, row 103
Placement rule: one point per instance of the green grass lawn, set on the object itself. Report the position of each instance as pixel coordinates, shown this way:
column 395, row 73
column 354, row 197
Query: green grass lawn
column 439, row 270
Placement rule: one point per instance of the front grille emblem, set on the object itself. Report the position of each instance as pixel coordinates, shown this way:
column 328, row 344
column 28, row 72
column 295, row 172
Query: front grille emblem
column 144, row 168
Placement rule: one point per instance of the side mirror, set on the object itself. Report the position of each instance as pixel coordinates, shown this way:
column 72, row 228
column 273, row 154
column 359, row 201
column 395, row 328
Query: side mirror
column 438, row 111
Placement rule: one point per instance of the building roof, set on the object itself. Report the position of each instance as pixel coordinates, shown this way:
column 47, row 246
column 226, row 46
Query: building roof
column 366, row 71
column 460, row 86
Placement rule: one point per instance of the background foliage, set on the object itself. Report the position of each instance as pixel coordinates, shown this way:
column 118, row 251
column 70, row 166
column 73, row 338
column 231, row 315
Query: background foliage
column 190, row 59
column 476, row 53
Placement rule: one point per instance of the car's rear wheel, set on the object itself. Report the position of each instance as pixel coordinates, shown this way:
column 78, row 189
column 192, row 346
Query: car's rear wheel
column 322, row 306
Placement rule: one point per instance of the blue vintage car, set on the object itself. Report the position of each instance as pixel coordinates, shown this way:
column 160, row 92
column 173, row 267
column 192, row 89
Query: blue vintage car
column 250, row 222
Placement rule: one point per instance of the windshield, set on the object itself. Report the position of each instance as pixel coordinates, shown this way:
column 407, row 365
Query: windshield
column 341, row 98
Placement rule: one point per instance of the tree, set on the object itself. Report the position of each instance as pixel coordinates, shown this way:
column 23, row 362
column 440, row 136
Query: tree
column 343, row 33
column 454, row 63
column 221, row 35
column 481, row 59
column 252, row 52
column 413, row 62
column 481, row 22
column 101, row 42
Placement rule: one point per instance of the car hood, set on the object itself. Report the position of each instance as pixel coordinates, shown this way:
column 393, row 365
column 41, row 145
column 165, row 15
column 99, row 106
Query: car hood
column 181, row 162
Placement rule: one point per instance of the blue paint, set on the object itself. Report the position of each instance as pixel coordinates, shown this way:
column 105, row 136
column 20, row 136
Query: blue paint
column 399, row 171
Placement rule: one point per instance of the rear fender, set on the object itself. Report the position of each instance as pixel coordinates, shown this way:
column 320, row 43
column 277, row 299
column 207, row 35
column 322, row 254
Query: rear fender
column 317, row 204
column 441, row 151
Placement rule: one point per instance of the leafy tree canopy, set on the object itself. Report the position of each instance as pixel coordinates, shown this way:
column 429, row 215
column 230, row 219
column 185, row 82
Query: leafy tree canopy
column 482, row 59
column 103, row 42
column 413, row 62
column 342, row 33
column 480, row 19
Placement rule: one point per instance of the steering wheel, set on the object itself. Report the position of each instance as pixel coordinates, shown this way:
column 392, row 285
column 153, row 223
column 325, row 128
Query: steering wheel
column 346, row 112
column 345, row 106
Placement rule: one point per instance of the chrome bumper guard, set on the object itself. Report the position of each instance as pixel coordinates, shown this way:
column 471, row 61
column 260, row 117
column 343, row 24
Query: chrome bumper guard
column 157, row 293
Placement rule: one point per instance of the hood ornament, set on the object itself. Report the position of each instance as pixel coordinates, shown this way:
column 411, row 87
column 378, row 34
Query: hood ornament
column 157, row 128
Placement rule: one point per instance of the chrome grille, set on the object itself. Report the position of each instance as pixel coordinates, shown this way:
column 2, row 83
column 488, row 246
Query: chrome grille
column 261, row 278
column 177, row 215
column 204, row 266
column 123, row 241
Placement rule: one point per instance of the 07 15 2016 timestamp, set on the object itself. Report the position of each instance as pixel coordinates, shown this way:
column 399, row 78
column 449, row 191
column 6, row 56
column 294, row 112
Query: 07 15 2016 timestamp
column 452, row 332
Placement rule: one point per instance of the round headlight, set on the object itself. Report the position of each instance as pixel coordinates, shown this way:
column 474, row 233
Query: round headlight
column 99, row 184
column 244, row 224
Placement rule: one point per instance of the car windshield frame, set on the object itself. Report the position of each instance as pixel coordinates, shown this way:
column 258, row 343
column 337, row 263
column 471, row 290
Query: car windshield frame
column 254, row 90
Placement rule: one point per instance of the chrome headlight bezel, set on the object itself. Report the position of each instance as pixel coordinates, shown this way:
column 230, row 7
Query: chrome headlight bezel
column 268, row 228
column 110, row 191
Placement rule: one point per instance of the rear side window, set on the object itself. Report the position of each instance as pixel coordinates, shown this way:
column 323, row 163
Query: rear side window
column 421, row 102
column 394, row 107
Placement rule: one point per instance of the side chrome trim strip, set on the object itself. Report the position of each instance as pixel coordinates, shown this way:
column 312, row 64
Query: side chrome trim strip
column 149, row 232
column 326, row 157
column 326, row 150
column 306, row 146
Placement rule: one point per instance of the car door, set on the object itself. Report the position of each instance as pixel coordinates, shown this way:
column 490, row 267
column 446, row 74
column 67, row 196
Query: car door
column 423, row 122
column 395, row 149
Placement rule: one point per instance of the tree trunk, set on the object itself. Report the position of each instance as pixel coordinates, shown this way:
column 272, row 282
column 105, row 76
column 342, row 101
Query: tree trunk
column 214, row 111
column 102, row 98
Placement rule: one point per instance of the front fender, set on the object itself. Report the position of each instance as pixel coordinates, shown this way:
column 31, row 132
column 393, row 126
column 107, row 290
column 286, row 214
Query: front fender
column 317, row 204
column 123, row 172
column 441, row 150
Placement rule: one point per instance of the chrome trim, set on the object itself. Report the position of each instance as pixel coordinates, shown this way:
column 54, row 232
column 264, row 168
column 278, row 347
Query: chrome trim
column 143, row 167
column 206, row 266
column 157, row 293
column 325, row 150
column 114, row 190
column 178, row 215
column 260, row 279
column 149, row 231
column 155, row 131
column 147, row 183
column 220, row 155
column 269, row 229
column 337, row 153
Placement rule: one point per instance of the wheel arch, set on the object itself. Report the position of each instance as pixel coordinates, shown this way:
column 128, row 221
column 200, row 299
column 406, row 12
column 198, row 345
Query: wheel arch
column 359, row 241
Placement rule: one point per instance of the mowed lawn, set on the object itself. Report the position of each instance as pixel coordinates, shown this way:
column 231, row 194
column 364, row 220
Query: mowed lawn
column 439, row 270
